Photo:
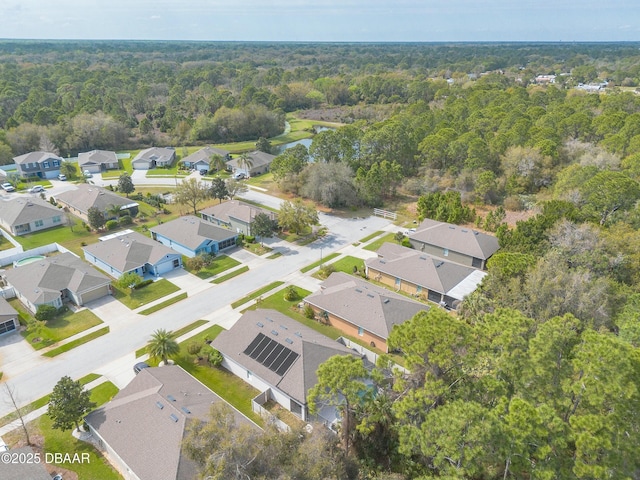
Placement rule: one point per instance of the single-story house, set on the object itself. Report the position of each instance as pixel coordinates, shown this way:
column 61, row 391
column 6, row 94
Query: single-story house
column 132, row 252
column 422, row 275
column 38, row 164
column 191, row 236
column 28, row 468
column 259, row 162
column 154, row 157
column 8, row 317
column 27, row 215
column 360, row 309
column 277, row 355
column 455, row 243
column 235, row 215
column 54, row 280
column 86, row 196
column 143, row 427
column 97, row 161
column 200, row 160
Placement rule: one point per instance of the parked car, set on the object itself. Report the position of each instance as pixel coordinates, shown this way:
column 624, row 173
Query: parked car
column 203, row 172
column 87, row 174
column 8, row 187
column 239, row 176
column 138, row 367
column 62, row 177
column 36, row 189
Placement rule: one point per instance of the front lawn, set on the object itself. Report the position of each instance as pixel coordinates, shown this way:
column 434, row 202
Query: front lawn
column 62, row 326
column 319, row 262
column 375, row 245
column 145, row 295
column 76, row 343
column 345, row 264
column 257, row 248
column 219, row 265
column 63, row 235
column 230, row 275
column 256, row 293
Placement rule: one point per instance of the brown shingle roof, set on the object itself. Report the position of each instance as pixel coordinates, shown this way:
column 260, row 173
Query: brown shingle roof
column 191, row 231
column 244, row 212
column 97, row 157
column 19, row 211
column 363, row 304
column 456, row 238
column 86, row 196
column 204, row 154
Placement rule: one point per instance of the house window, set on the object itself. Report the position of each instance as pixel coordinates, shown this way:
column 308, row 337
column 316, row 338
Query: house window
column 296, row 408
column 57, row 219
column 39, row 223
column 45, row 164
column 176, row 263
column 7, row 326
column 398, row 282
column 476, row 262
column 360, row 331
column 445, row 252
column 56, row 163
column 419, row 289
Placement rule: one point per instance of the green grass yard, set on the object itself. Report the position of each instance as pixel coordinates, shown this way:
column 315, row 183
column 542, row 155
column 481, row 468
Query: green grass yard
column 375, row 245
column 145, row 295
column 319, row 262
column 219, row 265
column 76, row 343
column 166, row 303
column 229, row 276
column 256, row 293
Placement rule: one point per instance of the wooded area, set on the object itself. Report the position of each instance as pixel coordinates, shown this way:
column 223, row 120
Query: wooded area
column 538, row 375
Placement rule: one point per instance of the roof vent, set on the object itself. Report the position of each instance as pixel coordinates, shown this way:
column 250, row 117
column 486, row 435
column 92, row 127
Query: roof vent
column 386, row 300
column 275, row 332
column 422, row 257
column 382, row 262
column 465, row 231
column 171, row 398
column 370, row 296
column 185, row 410
column 298, row 334
column 439, row 264
column 289, row 341
column 452, row 227
column 358, row 290
column 268, row 319
column 159, row 405
column 475, row 233
column 284, row 327
column 260, row 324
column 173, row 417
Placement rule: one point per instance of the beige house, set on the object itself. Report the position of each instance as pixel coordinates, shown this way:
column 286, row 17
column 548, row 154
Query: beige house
column 97, row 161
column 86, row 196
column 361, row 309
column 25, row 215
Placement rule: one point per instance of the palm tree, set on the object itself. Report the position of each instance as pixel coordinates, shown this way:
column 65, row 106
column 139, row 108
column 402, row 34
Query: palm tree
column 217, row 163
column 245, row 162
column 114, row 211
column 163, row 345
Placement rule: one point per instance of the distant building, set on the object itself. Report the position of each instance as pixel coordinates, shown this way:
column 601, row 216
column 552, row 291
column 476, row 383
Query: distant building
column 38, row 164
column 23, row 215
column 155, row 157
column 235, row 215
column 97, row 161
column 200, row 160
column 87, row 196
column 260, row 163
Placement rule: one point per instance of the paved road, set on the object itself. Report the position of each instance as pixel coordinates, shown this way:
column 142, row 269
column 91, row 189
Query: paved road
column 113, row 354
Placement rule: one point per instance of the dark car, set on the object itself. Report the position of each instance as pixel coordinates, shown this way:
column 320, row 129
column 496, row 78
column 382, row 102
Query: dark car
column 139, row 366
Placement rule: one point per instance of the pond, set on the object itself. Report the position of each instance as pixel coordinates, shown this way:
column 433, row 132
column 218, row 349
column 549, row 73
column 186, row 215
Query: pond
column 277, row 150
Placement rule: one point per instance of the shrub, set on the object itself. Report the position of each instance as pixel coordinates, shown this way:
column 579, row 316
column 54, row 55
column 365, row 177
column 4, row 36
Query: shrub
column 215, row 358
column 194, row 348
column 46, row 312
column 309, row 312
column 125, row 220
column 250, row 239
column 326, row 270
column 406, row 242
column 398, row 237
column 111, row 224
column 143, row 283
column 290, row 293
column 513, row 203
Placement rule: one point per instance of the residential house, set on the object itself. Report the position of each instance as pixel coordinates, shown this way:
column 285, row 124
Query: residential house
column 8, row 317
column 259, row 163
column 55, row 280
column 25, row 465
column 38, row 164
column 86, row 196
column 200, row 160
column 191, row 236
column 278, row 356
column 24, row 215
column 417, row 273
column 143, row 427
column 98, row 161
column 360, row 309
column 235, row 215
column 154, row 157
column 454, row 243
column 132, row 252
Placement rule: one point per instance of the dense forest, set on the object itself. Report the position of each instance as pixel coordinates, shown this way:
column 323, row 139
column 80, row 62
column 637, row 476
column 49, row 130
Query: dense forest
column 538, row 375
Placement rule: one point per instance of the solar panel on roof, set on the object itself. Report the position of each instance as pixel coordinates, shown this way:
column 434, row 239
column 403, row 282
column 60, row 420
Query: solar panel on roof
column 271, row 354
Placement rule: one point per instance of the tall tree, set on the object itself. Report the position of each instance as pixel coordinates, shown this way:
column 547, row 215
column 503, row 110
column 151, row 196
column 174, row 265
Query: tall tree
column 12, row 396
column 68, row 403
column 69, row 169
column 96, row 218
column 245, row 162
column 296, row 216
column 218, row 189
column 217, row 162
column 263, row 226
column 191, row 192
column 162, row 345
column 263, row 145
column 235, row 187
column 125, row 184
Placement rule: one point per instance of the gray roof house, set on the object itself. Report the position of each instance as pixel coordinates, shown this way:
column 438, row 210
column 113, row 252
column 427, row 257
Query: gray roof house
column 455, row 243
column 27, row 215
column 361, row 309
column 200, row 159
column 154, row 157
column 54, row 280
column 143, row 426
column 235, row 215
column 422, row 275
column 38, row 164
column 260, row 163
column 132, row 252
column 97, row 161
column 8, row 317
column 191, row 236
column 30, row 470
column 277, row 355
column 86, row 196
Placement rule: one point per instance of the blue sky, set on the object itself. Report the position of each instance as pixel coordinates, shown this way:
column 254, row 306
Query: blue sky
column 324, row 20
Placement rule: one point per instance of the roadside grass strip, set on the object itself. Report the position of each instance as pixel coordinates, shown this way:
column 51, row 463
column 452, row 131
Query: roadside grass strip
column 371, row 236
column 228, row 276
column 177, row 334
column 76, row 343
column 161, row 305
column 319, row 262
column 256, row 294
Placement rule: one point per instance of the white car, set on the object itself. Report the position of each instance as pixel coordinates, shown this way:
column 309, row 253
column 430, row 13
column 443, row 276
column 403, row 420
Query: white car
column 62, row 177
column 239, row 175
column 87, row 174
column 7, row 187
column 36, row 189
